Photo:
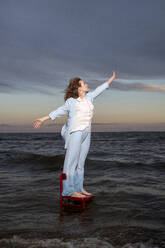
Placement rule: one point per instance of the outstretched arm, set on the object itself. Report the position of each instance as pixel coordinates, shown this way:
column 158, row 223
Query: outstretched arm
column 111, row 78
column 37, row 123
column 103, row 86
column 60, row 111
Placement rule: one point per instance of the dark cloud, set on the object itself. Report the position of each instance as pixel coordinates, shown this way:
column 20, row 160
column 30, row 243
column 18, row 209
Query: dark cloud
column 45, row 43
column 14, row 87
column 116, row 85
column 149, row 87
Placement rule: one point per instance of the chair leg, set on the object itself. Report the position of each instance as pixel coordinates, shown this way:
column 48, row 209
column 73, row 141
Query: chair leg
column 83, row 203
column 62, row 200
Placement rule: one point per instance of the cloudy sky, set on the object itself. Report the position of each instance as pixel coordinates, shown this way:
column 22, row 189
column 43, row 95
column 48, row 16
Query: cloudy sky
column 44, row 43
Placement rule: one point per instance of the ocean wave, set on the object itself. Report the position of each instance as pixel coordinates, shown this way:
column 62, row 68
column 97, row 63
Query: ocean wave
column 19, row 242
column 15, row 159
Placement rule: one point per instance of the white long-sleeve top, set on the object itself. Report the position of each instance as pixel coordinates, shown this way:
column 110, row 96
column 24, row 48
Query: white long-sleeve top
column 83, row 114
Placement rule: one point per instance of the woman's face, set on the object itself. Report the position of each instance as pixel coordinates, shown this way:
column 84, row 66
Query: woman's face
column 84, row 86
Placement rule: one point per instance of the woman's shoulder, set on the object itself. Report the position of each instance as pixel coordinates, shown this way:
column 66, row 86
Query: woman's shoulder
column 70, row 100
column 89, row 96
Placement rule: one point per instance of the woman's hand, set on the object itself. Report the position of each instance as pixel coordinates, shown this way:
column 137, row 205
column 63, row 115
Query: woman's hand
column 112, row 78
column 37, row 123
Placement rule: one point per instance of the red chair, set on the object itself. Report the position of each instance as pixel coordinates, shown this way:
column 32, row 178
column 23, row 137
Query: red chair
column 70, row 200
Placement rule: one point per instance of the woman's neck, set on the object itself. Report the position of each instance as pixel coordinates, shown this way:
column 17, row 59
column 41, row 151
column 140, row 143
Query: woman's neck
column 82, row 95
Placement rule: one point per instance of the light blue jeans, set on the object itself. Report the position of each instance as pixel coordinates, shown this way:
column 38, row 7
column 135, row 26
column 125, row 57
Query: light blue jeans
column 75, row 157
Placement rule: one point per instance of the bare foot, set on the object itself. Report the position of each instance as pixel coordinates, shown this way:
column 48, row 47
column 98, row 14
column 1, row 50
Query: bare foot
column 77, row 194
column 84, row 192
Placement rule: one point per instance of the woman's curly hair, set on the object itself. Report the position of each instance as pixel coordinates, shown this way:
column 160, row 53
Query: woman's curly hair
column 72, row 89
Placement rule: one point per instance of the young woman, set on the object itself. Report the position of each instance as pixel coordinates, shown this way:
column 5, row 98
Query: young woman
column 76, row 132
